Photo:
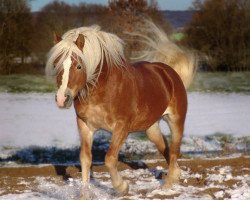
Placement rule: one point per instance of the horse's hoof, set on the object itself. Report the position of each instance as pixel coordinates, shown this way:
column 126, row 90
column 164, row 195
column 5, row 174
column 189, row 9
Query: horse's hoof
column 170, row 182
column 123, row 188
column 85, row 192
column 173, row 177
column 84, row 198
column 168, row 186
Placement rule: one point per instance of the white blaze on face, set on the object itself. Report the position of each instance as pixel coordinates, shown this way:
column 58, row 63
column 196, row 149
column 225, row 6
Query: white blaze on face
column 65, row 78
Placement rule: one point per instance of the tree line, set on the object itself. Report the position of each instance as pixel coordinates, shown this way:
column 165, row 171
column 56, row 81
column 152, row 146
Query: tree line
column 219, row 29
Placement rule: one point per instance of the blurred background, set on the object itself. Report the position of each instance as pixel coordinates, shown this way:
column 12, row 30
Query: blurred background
column 218, row 30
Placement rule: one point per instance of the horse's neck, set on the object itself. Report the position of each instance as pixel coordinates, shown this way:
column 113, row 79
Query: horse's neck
column 106, row 71
column 103, row 73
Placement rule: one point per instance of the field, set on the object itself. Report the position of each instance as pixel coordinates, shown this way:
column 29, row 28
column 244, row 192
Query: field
column 25, row 83
column 238, row 82
column 39, row 145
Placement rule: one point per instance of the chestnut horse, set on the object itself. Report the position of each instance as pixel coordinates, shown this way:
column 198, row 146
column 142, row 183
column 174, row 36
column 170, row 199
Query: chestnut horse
column 109, row 93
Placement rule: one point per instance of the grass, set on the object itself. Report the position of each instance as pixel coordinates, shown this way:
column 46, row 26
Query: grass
column 238, row 82
column 25, row 83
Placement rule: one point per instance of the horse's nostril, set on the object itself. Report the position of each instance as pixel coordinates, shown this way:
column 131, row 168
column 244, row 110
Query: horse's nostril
column 56, row 98
column 67, row 98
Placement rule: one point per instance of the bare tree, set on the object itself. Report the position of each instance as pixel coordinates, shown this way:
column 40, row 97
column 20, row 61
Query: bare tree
column 118, row 17
column 129, row 16
column 54, row 17
column 59, row 17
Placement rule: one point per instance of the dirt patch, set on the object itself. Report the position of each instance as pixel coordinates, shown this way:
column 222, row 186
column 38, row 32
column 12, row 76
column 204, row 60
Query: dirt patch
column 208, row 178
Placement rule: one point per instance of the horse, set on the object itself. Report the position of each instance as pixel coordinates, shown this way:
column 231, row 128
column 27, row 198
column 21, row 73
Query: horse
column 109, row 93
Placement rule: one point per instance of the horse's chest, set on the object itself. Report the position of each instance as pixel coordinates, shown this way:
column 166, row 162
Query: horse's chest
column 95, row 117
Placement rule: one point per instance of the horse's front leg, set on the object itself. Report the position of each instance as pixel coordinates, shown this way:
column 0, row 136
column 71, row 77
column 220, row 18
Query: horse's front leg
column 86, row 136
column 111, row 161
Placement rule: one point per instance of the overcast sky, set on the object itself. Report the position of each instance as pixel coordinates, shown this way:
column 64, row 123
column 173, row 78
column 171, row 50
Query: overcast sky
column 36, row 5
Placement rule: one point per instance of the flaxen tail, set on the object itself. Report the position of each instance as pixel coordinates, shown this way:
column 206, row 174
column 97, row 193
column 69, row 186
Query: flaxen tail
column 160, row 49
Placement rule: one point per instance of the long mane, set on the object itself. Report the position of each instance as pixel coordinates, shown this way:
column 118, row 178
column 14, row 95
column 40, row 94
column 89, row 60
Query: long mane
column 98, row 46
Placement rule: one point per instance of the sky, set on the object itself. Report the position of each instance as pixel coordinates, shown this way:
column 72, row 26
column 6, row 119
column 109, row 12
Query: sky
column 36, row 5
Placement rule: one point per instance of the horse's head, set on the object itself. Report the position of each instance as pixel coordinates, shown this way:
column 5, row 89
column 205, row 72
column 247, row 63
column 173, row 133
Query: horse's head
column 71, row 79
column 77, row 62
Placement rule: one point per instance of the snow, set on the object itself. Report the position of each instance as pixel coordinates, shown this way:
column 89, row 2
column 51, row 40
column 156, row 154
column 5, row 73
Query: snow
column 36, row 116
column 143, row 185
column 26, row 196
column 219, row 194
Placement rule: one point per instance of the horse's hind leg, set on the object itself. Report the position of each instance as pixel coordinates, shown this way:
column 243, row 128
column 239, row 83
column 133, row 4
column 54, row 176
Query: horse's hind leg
column 154, row 135
column 111, row 160
column 175, row 119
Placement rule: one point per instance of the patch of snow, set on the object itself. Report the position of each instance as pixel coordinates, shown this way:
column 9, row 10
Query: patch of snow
column 73, row 189
column 26, row 196
column 240, row 193
column 195, row 143
column 219, row 194
column 223, row 175
column 161, row 192
column 135, row 146
column 34, row 119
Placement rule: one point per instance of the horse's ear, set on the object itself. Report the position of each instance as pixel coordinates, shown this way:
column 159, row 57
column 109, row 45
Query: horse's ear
column 80, row 41
column 57, row 38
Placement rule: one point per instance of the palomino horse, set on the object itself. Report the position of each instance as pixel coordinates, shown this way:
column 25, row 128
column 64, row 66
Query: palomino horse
column 109, row 93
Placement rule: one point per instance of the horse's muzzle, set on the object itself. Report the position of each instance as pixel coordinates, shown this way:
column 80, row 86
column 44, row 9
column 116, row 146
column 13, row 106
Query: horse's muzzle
column 65, row 100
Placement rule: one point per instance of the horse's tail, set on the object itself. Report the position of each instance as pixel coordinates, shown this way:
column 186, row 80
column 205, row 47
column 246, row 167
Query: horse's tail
column 160, row 49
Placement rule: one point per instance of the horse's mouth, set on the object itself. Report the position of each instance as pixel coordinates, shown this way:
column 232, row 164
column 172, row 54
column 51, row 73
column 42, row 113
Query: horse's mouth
column 64, row 101
column 68, row 104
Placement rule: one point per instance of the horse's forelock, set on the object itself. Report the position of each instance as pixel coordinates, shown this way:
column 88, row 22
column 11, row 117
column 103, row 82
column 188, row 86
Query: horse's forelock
column 58, row 54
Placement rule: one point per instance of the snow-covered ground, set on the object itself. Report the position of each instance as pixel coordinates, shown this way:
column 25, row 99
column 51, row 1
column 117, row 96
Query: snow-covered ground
column 219, row 182
column 32, row 121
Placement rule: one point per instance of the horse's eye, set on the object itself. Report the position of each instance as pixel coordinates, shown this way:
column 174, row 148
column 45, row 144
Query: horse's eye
column 78, row 67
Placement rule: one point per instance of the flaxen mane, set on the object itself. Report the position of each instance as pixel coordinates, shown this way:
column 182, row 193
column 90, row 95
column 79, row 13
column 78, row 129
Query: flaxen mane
column 98, row 46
